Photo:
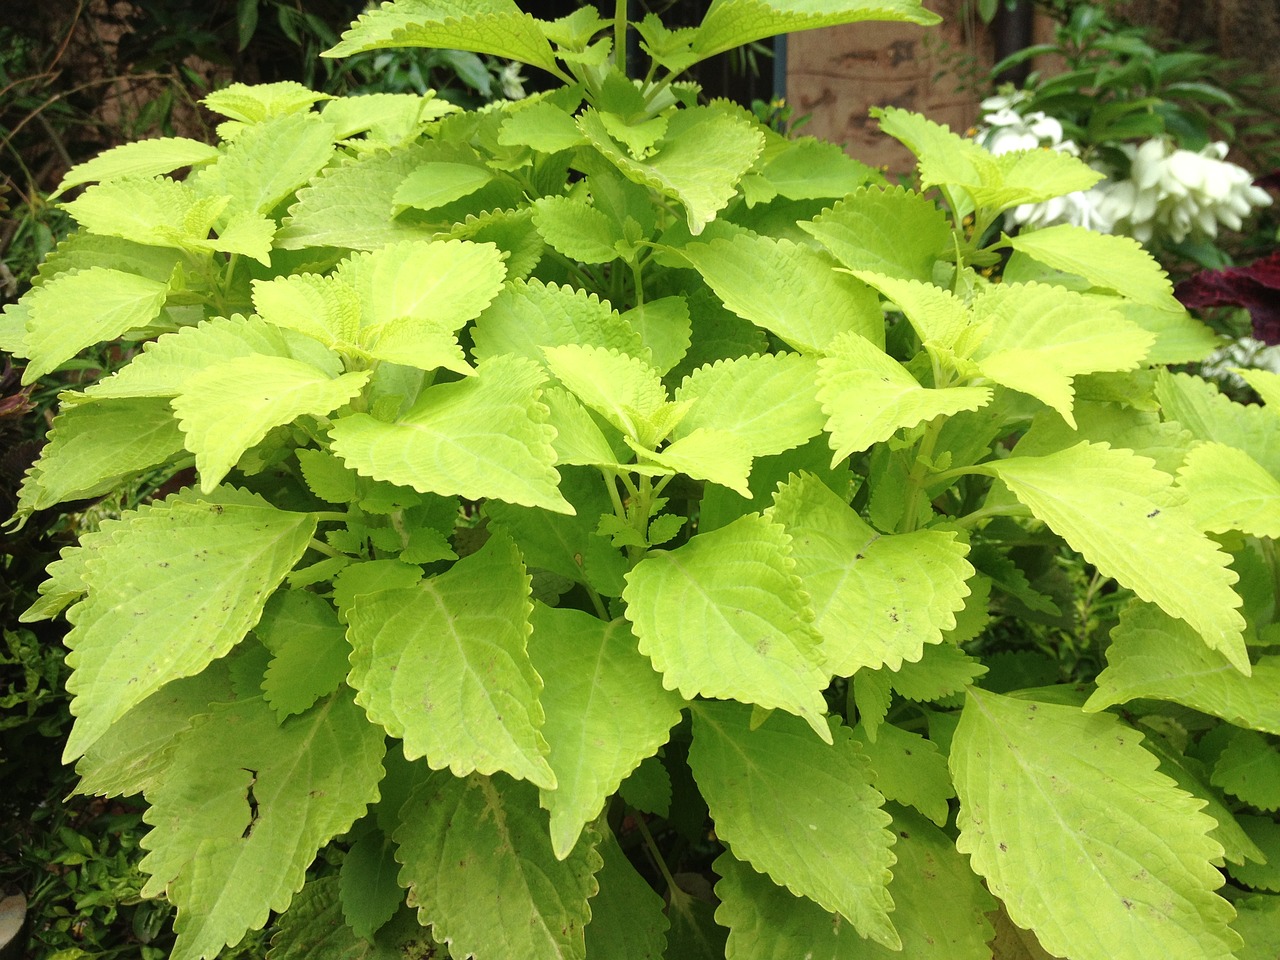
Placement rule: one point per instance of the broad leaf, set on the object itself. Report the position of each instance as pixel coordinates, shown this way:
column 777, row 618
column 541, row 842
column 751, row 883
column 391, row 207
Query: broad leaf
column 576, row 229
column 877, row 599
column 894, row 232
column 1048, row 791
column 528, row 316
column 485, row 436
column 309, row 651
column 734, row 23
column 1105, row 260
column 798, row 809
column 1227, row 490
column 627, row 919
column 664, row 328
column 623, row 389
column 318, row 307
column 174, row 588
column 1258, row 921
column 142, row 158
column 1114, row 507
column 443, row 666
column 705, row 454
column 83, row 308
column 868, row 396
column 909, row 769
column 267, row 163
column 939, row 907
column 227, row 408
column 243, row 808
column 606, row 711
column 370, row 893
column 469, row 845
column 777, row 283
column 1154, row 656
column 1249, row 768
column 440, row 182
column 1197, row 405
column 314, row 928
column 254, row 103
column 743, row 630
column 937, row 315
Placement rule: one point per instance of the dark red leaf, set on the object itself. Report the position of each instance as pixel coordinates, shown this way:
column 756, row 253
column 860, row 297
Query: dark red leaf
column 1255, row 287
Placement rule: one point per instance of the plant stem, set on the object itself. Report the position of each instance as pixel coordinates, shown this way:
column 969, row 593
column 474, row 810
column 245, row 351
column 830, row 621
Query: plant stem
column 672, row 888
column 620, row 35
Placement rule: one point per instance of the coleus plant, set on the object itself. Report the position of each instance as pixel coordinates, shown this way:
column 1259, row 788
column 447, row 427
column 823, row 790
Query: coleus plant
column 606, row 528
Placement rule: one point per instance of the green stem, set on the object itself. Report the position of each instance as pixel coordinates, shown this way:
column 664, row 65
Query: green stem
column 986, row 513
column 620, row 35
column 672, row 888
column 601, row 611
column 320, row 546
column 332, row 516
column 919, row 474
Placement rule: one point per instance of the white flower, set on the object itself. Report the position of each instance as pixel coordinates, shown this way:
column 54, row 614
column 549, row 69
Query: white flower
column 512, row 81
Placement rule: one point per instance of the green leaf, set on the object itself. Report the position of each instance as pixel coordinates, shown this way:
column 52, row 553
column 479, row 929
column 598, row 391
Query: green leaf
column 495, row 27
column 1039, row 337
column 943, row 670
column 1047, row 791
column 1114, row 507
column 1227, row 490
column 1249, row 768
column 254, row 103
column 744, row 630
column 1258, row 921
column 937, row 315
column 1029, row 176
column 868, row 396
column 172, row 589
column 705, row 454
column 576, row 229
column 892, row 231
column 313, row 929
column 135, row 754
column 606, row 711
column 243, row 808
column 776, row 283
column 156, row 211
column 309, row 651
column 940, row 907
column 810, row 169
column 627, row 920
column 468, row 845
column 698, row 164
column 434, row 184
column 544, row 126
column 623, row 389
column 1265, row 384
column 909, row 769
column 648, row 789
column 1210, row 416
column 1180, row 337
column 370, row 894
column 443, row 666
column 82, row 308
column 485, row 436
column 1154, row 656
column 877, row 600
column 1105, row 260
column 1262, row 876
column 226, row 409
column 142, row 158
column 734, row 23
column 267, row 163
column 528, row 316
column 800, row 810
column 664, row 328
column 324, row 309
column 93, row 446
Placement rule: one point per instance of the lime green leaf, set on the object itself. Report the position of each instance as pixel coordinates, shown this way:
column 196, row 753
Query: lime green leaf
column 664, row 327
column 705, row 454
column 800, row 810
column 579, row 438
column 542, row 125
column 1258, row 921
column 1180, row 337
column 944, row 669
column 314, row 927
column 1265, row 383
column 576, row 229
column 1105, row 260
column 528, row 316
column 468, row 845
column 351, row 205
column 940, row 907
column 868, row 396
column 606, row 711
column 627, row 920
column 877, row 599
column 776, row 283
column 1039, row 337
column 937, row 315
column 811, row 169
column 1152, row 655
column 309, row 658
column 495, row 27
column 1198, row 406
column 93, row 446
column 81, row 250
column 324, row 309
column 156, row 211
column 243, row 808
column 268, row 162
column 442, row 665
column 1046, row 790
column 1030, row 176
column 743, row 632
column 1113, row 507
column 1266, row 833
column 909, row 769
column 623, row 389
column 174, row 588
column 389, row 119
column 142, row 158
column 698, row 164
column 733, row 23
column 134, row 755
column 82, row 308
column 892, row 231
column 1227, row 490
column 437, row 183
column 1249, row 768
column 229, row 407
column 254, row 103
column 484, row 436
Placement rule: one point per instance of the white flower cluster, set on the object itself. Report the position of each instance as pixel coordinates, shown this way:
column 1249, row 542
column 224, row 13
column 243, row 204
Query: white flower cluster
column 1170, row 193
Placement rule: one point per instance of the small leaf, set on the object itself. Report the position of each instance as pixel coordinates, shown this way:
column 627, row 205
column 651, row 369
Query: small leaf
column 1227, row 490
column 892, row 231
column 623, row 389
column 1197, row 405
column 735, row 23
column 367, row 881
column 743, row 632
column 434, row 184
column 627, row 919
column 469, row 844
column 309, row 651
column 664, row 328
column 528, row 316
column 267, row 163
column 798, row 809
column 909, row 769
column 142, row 158
column 1044, row 788
column 1249, row 768
column 1262, row 876
column 576, row 229
column 443, row 666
